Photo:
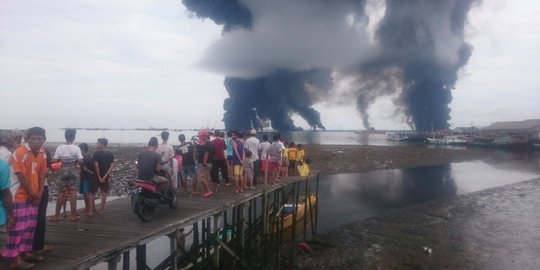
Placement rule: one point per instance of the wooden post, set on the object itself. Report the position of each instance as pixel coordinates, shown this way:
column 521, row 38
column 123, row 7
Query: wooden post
column 204, row 240
column 316, row 207
column 208, row 237
column 174, row 251
column 125, row 260
column 141, row 257
column 294, row 215
column 112, row 263
column 241, row 236
column 216, row 245
column 307, row 203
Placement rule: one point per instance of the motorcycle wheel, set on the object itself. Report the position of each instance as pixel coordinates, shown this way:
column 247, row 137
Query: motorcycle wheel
column 143, row 210
column 172, row 196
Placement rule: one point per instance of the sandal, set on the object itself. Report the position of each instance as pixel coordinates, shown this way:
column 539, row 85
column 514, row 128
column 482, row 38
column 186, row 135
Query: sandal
column 46, row 249
column 22, row 266
column 53, row 219
column 32, row 258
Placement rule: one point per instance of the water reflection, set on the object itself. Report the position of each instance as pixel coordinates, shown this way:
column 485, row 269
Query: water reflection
column 345, row 198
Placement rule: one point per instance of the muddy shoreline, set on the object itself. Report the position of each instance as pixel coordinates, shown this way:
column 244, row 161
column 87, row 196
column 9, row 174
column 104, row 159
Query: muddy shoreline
column 495, row 228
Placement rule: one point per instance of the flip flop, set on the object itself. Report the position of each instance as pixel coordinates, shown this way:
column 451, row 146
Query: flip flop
column 22, row 266
column 32, row 258
column 53, row 219
column 46, row 249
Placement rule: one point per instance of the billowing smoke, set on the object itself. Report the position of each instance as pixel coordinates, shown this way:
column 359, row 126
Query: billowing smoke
column 273, row 97
column 281, row 57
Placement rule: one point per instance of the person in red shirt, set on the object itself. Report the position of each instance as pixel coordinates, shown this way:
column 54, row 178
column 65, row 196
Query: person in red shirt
column 29, row 163
column 220, row 160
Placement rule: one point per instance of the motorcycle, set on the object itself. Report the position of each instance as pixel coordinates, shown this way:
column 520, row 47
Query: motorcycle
column 149, row 195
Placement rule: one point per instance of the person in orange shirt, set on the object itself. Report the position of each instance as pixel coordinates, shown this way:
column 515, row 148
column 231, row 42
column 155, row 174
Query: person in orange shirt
column 29, row 163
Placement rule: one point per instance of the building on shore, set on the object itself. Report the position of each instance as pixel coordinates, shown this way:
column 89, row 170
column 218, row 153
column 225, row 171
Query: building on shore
column 529, row 128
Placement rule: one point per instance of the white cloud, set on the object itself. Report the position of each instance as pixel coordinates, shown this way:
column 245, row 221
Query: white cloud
column 131, row 63
column 105, row 63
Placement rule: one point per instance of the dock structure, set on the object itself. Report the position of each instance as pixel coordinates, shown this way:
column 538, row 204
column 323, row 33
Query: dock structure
column 230, row 231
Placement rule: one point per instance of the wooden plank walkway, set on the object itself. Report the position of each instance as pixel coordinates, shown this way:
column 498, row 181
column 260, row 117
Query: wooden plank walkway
column 91, row 240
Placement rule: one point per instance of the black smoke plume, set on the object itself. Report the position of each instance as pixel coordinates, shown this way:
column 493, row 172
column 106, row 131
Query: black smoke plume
column 280, row 57
column 273, row 97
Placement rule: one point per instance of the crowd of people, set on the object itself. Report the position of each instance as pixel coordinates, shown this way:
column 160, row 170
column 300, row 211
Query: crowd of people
column 240, row 159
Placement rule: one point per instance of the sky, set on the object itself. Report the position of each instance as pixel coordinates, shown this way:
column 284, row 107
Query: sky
column 136, row 64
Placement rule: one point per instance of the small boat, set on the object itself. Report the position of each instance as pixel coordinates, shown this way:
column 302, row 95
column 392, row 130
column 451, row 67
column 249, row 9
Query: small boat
column 391, row 136
column 448, row 140
column 501, row 141
column 301, row 209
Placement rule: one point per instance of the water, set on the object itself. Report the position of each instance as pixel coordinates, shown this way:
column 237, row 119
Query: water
column 141, row 137
column 345, row 198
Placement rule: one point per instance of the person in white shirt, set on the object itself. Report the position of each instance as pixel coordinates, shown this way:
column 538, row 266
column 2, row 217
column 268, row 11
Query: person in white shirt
column 166, row 151
column 252, row 144
column 263, row 155
column 9, row 141
column 72, row 160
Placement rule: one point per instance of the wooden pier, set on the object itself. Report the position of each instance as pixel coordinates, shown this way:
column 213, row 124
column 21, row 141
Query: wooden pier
column 110, row 238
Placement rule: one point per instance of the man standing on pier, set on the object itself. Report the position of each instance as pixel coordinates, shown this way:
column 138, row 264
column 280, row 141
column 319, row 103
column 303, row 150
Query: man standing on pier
column 103, row 165
column 29, row 164
column 205, row 157
column 188, row 164
column 252, row 144
column 220, row 161
column 166, row 151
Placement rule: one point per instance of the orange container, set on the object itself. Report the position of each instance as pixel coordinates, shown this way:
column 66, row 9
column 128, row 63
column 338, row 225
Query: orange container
column 56, row 166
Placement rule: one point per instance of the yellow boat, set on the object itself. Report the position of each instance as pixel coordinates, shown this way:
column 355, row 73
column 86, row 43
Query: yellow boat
column 304, row 207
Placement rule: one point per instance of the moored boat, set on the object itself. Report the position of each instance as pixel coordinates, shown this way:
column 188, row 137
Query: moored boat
column 448, row 140
column 301, row 209
column 500, row 141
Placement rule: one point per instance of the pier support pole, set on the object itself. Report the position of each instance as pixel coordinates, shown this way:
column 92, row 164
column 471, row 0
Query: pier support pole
column 141, row 257
column 112, row 263
column 215, row 234
column 125, row 260
column 241, row 231
column 174, row 251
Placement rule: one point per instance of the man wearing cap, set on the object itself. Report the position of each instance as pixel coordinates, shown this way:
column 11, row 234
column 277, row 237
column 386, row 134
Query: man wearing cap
column 205, row 156
column 252, row 144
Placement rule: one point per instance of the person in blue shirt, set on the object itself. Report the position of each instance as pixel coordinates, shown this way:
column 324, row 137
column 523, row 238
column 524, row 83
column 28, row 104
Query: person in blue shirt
column 6, row 209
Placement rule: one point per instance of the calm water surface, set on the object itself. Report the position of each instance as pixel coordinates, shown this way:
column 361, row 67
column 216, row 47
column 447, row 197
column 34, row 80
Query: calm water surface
column 346, row 198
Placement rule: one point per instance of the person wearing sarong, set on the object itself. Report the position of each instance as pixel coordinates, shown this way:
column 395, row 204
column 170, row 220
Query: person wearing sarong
column 29, row 164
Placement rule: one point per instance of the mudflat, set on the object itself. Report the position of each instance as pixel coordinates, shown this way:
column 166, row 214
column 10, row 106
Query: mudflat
column 491, row 229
